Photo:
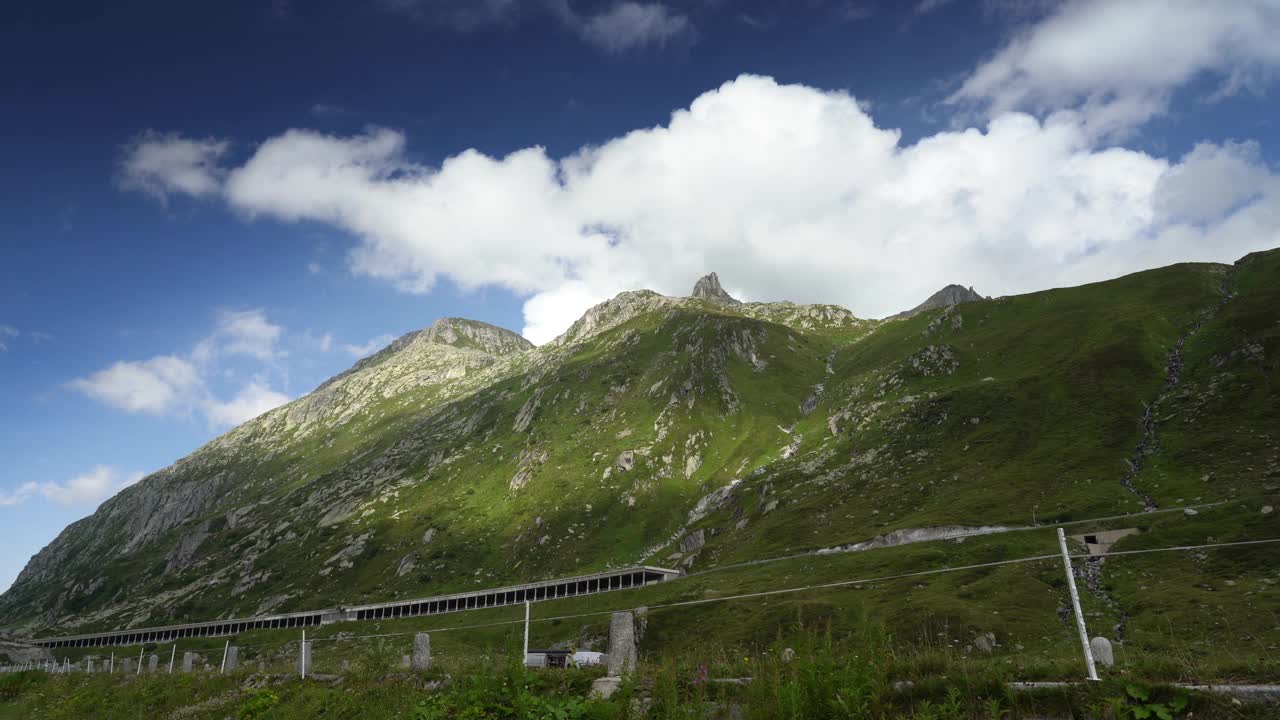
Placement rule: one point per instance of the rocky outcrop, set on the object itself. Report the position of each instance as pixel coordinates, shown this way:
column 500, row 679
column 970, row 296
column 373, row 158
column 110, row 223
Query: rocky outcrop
column 907, row 536
column 708, row 288
column 183, row 554
column 946, row 297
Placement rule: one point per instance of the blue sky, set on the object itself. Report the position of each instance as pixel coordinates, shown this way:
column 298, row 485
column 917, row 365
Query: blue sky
column 206, row 209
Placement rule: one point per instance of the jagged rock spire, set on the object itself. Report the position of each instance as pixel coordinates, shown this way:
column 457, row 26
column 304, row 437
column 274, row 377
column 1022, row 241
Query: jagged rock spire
column 708, row 288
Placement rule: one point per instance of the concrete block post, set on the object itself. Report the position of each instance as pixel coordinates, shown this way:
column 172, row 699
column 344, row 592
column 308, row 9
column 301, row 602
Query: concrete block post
column 233, row 658
column 153, row 663
column 188, row 658
column 126, row 665
column 1102, row 653
column 421, row 651
column 622, row 643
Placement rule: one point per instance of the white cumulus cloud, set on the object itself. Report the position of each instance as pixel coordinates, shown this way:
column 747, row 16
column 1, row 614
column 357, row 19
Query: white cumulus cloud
column 247, row 332
column 368, row 348
column 1120, row 61
column 88, row 488
column 794, row 192
column 787, row 191
column 161, row 385
column 253, row 400
column 629, row 26
column 180, row 385
column 160, row 165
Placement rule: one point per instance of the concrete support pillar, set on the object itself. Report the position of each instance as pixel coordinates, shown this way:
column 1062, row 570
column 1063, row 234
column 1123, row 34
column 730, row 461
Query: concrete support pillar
column 153, row 663
column 421, row 651
column 233, row 658
column 622, row 643
column 188, row 658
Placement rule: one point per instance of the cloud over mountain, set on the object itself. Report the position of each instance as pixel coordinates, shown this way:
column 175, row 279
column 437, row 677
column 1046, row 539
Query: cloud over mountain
column 795, row 192
column 179, row 385
column 88, row 488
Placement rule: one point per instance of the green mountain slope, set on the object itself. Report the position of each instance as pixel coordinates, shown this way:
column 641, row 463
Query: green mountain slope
column 690, row 432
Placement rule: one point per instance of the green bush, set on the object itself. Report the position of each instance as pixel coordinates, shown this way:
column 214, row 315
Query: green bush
column 257, row 706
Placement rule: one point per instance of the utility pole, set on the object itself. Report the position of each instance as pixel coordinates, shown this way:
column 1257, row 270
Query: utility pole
column 524, row 659
column 1075, row 605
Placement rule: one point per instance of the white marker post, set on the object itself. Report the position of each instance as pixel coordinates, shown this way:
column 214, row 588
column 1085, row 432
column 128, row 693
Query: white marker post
column 225, row 648
column 140, row 651
column 524, row 660
column 111, row 669
column 172, row 655
column 1075, row 605
column 302, row 654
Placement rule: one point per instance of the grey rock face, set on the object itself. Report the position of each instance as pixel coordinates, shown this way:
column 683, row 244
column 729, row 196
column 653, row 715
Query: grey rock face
column 407, row 564
column 708, row 288
column 525, row 417
column 693, row 541
column 183, row 554
column 946, row 297
column 15, row 654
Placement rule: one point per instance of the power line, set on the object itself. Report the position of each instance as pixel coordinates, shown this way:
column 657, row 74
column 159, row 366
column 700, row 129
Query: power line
column 817, row 552
column 977, row 566
column 826, row 586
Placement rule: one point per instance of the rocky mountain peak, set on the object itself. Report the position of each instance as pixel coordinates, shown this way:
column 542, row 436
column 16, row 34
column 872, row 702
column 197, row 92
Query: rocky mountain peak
column 708, row 288
column 946, row 297
column 461, row 332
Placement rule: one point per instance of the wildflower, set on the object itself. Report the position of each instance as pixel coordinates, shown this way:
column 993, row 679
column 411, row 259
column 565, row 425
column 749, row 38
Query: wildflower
column 701, row 676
